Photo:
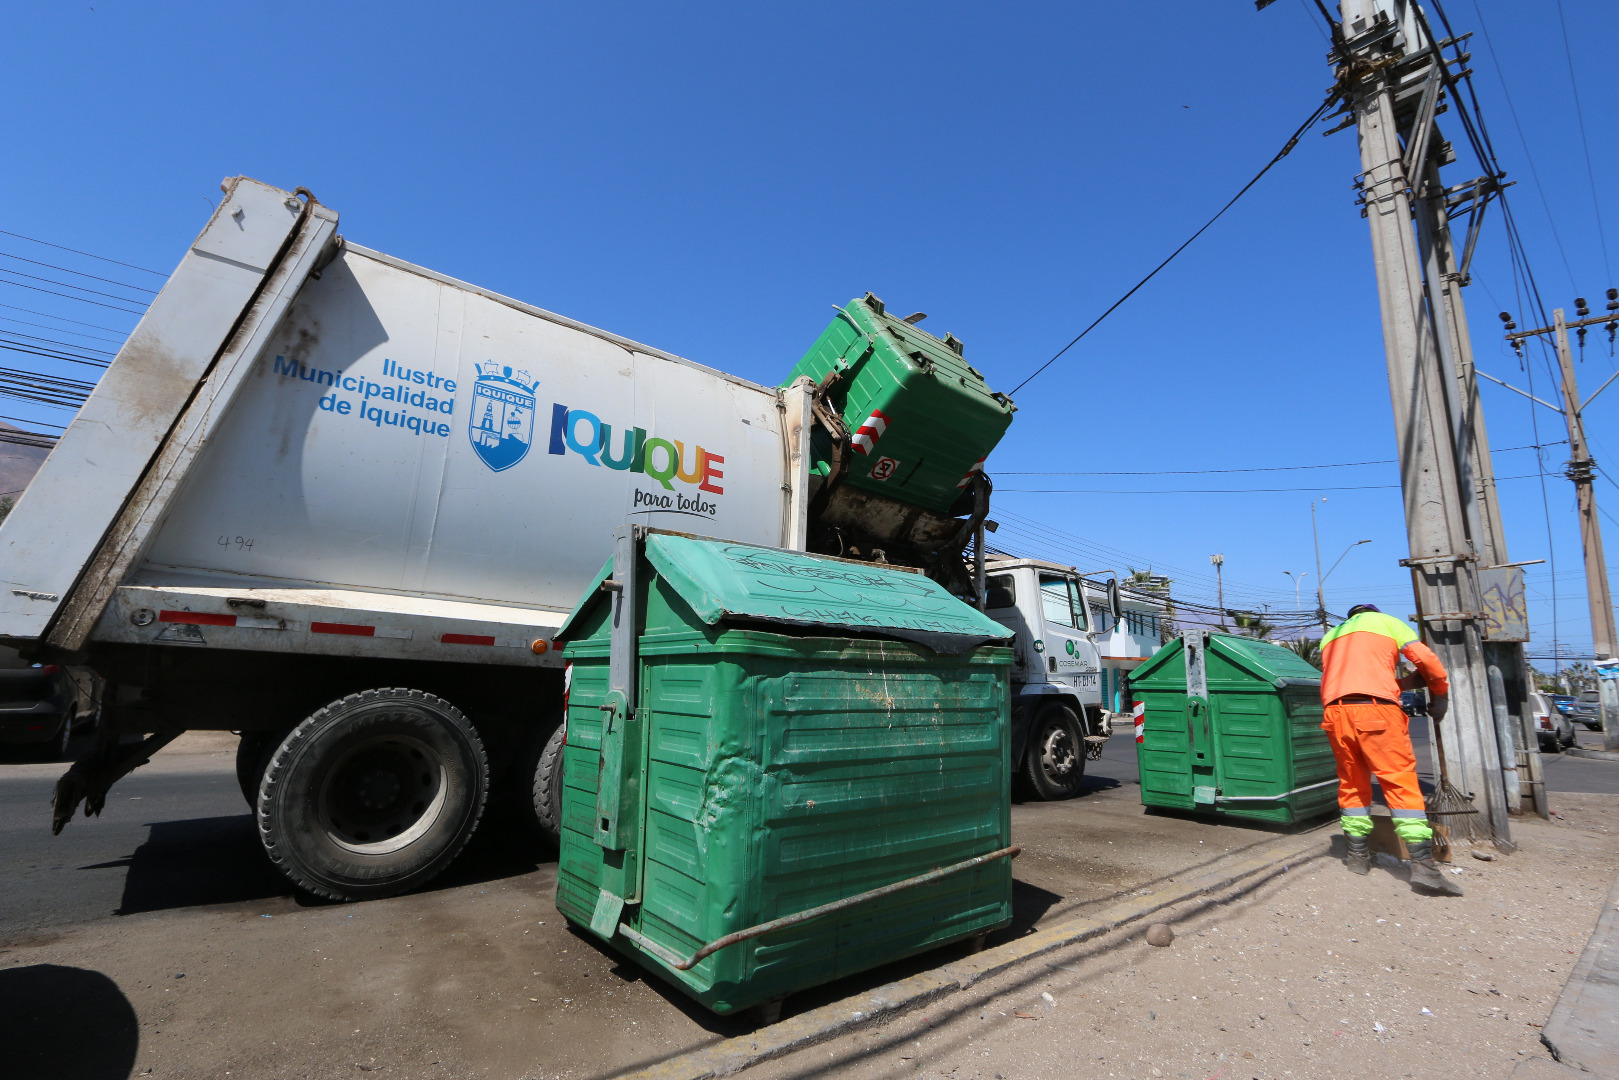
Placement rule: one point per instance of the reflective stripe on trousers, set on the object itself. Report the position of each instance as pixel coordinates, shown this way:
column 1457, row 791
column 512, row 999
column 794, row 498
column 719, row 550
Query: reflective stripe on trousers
column 1373, row 739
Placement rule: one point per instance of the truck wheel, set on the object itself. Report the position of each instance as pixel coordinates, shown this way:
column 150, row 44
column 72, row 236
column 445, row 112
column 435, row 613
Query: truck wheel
column 252, row 758
column 547, row 789
column 1054, row 761
column 373, row 795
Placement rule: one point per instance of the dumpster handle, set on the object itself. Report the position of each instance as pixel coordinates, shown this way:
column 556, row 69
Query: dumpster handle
column 1273, row 798
column 679, row 963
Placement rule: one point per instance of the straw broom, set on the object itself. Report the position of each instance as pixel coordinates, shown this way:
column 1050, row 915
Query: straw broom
column 1448, row 806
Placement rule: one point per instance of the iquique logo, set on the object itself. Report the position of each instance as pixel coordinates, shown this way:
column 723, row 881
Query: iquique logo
column 501, row 425
column 664, row 460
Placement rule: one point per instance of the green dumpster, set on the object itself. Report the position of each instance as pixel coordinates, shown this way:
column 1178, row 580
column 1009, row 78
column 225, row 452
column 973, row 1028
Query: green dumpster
column 1233, row 726
column 921, row 419
column 780, row 768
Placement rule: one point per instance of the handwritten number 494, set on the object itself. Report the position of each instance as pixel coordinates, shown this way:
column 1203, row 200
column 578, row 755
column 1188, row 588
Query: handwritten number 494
column 240, row 543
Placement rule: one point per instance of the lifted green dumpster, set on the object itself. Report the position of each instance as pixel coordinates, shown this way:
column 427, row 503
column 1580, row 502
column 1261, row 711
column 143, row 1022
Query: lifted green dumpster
column 780, row 768
column 921, row 420
column 1233, row 727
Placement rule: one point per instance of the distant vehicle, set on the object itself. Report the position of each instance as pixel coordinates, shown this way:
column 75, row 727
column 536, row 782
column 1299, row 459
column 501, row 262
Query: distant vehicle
column 1555, row 730
column 1587, row 710
column 1413, row 702
column 1564, row 702
column 43, row 704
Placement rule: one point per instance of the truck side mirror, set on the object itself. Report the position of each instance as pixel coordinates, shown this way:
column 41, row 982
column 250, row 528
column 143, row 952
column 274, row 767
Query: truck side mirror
column 1115, row 605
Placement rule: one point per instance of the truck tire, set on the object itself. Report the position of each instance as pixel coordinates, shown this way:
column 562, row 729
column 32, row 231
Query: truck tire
column 253, row 752
column 1054, row 757
column 373, row 795
column 547, row 787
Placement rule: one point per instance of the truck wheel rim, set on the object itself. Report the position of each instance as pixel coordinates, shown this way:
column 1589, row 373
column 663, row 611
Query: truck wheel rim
column 383, row 794
column 1057, row 752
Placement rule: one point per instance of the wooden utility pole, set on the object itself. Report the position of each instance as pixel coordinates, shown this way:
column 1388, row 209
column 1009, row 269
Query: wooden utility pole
column 1581, row 469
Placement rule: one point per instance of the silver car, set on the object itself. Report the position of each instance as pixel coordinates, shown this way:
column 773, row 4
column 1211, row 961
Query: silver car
column 1556, row 731
column 1587, row 709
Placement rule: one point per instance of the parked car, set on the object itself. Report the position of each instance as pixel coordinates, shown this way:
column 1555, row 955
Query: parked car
column 1564, row 702
column 1414, row 702
column 1556, row 731
column 1587, row 710
column 43, row 704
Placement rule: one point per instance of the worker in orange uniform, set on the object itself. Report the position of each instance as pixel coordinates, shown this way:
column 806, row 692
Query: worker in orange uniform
column 1367, row 728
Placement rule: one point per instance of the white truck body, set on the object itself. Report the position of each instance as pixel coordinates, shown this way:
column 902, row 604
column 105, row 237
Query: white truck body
column 309, row 447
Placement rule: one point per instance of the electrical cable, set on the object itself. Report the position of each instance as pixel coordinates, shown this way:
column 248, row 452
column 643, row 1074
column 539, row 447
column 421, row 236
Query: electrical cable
column 79, row 273
column 58, row 318
column 1254, row 469
column 68, row 285
column 54, row 329
column 66, row 296
column 86, row 254
column 1286, row 149
column 1579, row 114
column 1512, row 109
column 52, row 354
column 53, row 341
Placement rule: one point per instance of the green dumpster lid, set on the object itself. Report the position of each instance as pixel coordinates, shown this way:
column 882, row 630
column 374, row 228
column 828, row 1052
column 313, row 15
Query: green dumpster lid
column 1270, row 663
column 722, row 580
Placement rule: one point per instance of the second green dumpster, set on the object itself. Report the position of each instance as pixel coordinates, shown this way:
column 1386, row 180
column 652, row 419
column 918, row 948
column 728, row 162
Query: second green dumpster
column 780, row 768
column 1233, row 726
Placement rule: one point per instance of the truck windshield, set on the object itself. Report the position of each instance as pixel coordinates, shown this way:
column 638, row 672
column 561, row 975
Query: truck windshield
column 1060, row 602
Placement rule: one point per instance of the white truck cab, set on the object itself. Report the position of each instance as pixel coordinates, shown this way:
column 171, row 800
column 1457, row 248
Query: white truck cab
column 1057, row 706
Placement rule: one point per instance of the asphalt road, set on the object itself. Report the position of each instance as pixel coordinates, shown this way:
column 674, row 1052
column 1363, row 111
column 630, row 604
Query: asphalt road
column 160, row 938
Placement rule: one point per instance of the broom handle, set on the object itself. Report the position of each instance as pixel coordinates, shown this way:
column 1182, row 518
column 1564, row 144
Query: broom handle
column 1439, row 743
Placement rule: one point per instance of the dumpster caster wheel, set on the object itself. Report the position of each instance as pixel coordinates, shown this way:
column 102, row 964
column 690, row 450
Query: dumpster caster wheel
column 769, row 1012
column 976, row 943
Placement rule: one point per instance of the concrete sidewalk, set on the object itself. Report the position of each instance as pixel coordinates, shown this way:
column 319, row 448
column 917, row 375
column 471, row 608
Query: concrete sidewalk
column 1583, row 1031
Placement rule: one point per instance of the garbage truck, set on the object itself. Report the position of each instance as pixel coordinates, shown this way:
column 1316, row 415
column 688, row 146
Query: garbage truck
column 341, row 504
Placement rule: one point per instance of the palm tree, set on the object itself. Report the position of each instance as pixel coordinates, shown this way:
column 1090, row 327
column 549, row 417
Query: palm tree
column 1307, row 648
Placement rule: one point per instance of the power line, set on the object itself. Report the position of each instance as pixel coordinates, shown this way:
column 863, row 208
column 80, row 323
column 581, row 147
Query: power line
column 78, row 273
column 53, row 341
column 1215, row 491
column 68, row 285
column 1255, row 469
column 1512, row 109
column 66, row 296
column 1579, row 114
column 58, row 318
column 1286, row 149
column 52, row 354
column 86, row 254
column 57, row 329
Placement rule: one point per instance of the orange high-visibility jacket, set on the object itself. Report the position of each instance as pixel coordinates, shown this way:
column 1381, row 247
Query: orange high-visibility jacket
column 1359, row 656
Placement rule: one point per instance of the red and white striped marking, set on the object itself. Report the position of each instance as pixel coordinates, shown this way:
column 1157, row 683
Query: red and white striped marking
column 343, row 629
column 865, row 438
column 205, row 618
column 978, row 467
column 1139, row 713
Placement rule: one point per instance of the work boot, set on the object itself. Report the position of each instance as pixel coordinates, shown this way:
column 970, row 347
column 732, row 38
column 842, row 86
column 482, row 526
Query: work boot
column 1426, row 874
column 1360, row 855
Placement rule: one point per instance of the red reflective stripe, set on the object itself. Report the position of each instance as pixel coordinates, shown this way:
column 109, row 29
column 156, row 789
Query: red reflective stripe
column 196, row 618
column 342, row 628
column 466, row 639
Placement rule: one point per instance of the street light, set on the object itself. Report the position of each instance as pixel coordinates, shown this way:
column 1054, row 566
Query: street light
column 1219, row 578
column 1298, row 579
column 1320, row 599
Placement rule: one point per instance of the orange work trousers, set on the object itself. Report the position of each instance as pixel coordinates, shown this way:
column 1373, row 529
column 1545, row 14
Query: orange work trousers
column 1367, row 739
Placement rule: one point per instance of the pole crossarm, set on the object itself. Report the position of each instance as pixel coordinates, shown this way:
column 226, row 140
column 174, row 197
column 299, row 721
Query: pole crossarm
column 1519, row 335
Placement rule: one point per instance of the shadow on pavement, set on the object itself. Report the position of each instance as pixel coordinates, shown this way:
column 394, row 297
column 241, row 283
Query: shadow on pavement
column 214, row 860
column 65, row 1022
column 218, row 860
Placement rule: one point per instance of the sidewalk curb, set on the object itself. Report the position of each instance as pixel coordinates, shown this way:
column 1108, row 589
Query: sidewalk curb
column 733, row 1055
column 1583, row 1029
column 1597, row 755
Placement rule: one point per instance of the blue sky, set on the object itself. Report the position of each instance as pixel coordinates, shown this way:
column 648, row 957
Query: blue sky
column 710, row 179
